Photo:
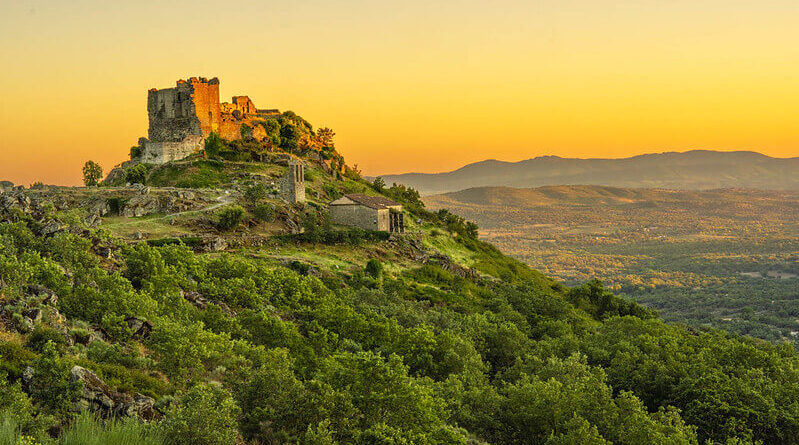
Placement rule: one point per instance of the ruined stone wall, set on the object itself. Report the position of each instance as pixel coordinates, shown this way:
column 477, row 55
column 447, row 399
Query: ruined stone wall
column 205, row 99
column 192, row 109
column 162, row 152
column 357, row 215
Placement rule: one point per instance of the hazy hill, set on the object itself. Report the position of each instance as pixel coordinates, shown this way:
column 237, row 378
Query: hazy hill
column 698, row 169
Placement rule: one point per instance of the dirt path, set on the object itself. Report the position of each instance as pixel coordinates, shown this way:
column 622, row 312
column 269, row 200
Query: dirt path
column 222, row 200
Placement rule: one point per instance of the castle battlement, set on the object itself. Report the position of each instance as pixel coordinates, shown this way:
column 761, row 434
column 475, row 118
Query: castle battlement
column 192, row 108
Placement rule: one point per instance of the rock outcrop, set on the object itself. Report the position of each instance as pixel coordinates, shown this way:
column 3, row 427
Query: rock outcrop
column 99, row 397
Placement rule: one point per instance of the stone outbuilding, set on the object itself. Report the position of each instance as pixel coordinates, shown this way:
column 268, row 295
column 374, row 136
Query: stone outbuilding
column 368, row 212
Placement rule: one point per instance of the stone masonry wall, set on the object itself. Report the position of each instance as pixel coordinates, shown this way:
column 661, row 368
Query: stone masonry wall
column 292, row 183
column 192, row 108
column 356, row 215
column 162, row 152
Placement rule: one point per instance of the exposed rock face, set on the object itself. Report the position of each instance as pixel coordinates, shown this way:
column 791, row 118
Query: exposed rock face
column 50, row 227
column 141, row 205
column 215, row 245
column 201, row 302
column 446, row 263
column 23, row 314
column 140, row 328
column 98, row 396
column 15, row 200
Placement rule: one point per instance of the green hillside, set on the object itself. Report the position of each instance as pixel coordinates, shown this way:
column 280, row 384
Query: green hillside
column 201, row 309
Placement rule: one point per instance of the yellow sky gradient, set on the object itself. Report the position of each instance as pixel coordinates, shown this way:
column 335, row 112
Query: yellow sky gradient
column 407, row 86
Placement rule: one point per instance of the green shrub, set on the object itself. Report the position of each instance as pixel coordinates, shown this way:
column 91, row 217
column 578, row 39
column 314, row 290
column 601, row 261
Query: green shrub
column 116, row 327
column 52, row 386
column 13, row 359
column 205, row 415
column 374, row 268
column 255, row 194
column 264, row 212
column 229, row 218
column 214, row 145
column 136, row 174
column 43, row 334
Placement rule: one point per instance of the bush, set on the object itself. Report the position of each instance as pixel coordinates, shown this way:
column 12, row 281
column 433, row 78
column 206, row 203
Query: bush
column 255, row 194
column 43, row 334
column 52, row 386
column 214, row 145
column 374, row 268
column 136, row 174
column 264, row 212
column 205, row 415
column 229, row 218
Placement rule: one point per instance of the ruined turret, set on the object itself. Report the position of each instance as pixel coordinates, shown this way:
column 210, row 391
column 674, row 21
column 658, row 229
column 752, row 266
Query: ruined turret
column 292, row 184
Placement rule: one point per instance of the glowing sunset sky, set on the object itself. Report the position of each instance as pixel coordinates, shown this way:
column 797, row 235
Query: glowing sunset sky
column 407, row 85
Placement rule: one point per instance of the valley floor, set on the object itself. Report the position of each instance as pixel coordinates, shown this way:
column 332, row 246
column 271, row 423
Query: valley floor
column 725, row 258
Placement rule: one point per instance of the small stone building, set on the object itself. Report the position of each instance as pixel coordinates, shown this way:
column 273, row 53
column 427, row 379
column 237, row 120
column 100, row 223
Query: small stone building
column 368, row 212
column 292, row 183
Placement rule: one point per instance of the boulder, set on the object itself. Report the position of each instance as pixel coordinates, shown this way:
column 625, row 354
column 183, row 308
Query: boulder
column 15, row 200
column 50, row 227
column 139, row 406
column 98, row 396
column 27, row 378
column 141, row 205
column 215, row 245
column 185, row 194
column 140, row 328
column 195, row 298
column 48, row 297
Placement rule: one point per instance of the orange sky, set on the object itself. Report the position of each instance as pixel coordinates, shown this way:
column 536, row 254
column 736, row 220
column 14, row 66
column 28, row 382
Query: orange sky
column 411, row 85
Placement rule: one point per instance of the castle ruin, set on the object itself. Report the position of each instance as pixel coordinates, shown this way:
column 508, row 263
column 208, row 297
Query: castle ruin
column 182, row 117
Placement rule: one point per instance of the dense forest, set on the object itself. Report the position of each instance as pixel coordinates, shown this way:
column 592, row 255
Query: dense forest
column 334, row 335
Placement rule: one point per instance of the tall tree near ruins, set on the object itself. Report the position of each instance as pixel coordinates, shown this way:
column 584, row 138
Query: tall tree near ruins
column 325, row 137
column 92, row 173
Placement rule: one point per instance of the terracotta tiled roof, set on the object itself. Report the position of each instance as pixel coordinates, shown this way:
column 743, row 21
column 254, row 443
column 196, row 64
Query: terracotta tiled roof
column 374, row 202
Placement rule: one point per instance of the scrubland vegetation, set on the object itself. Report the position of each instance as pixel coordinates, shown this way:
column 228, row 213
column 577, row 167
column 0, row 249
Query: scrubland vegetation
column 292, row 330
column 416, row 354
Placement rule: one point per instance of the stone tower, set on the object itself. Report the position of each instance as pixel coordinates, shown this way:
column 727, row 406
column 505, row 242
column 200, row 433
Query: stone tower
column 182, row 117
column 292, row 184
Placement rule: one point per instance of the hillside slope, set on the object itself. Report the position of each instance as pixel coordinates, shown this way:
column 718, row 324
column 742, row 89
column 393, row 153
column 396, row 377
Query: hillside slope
column 695, row 170
column 258, row 322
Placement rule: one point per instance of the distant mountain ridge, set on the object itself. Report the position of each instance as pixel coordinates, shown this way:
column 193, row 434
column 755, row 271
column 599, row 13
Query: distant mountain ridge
column 690, row 170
